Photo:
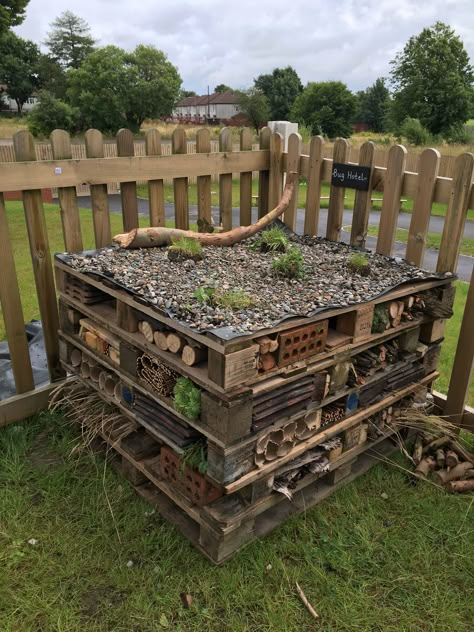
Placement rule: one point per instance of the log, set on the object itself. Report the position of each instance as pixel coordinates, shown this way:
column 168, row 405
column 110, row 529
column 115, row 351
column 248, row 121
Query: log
column 267, row 362
column 452, row 459
column 267, row 345
column 161, row 236
column 193, row 355
column 440, row 458
column 460, row 487
column 435, row 444
column 146, row 329
column 425, row 466
column 161, row 340
column 462, row 452
column 175, row 343
column 443, row 476
column 393, row 310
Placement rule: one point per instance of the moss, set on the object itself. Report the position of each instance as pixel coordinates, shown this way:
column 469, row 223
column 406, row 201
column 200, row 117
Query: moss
column 380, row 320
column 187, row 398
column 290, row 264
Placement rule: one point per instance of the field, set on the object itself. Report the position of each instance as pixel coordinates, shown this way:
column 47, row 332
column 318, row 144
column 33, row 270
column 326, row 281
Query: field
column 30, row 305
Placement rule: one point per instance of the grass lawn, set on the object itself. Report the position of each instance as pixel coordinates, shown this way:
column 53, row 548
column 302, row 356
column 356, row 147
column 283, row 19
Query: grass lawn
column 28, row 293
column 404, row 561
column 433, row 240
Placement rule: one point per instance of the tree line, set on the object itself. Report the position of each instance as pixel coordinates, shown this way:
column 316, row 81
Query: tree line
column 429, row 90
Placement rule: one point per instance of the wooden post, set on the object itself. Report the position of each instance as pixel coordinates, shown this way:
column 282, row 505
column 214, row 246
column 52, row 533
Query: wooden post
column 293, row 164
column 128, row 190
column 275, row 188
column 336, row 194
column 156, row 194
column 99, row 196
column 245, row 181
column 225, row 183
column 463, row 362
column 41, row 258
column 420, row 218
column 456, row 214
column 203, row 146
column 263, row 176
column 363, row 199
column 71, row 223
column 313, row 188
column 391, row 199
column 179, row 145
column 12, row 311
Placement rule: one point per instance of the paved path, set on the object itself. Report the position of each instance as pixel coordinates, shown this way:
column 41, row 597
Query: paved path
column 465, row 263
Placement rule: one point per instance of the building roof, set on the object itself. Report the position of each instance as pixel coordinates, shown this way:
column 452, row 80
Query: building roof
column 218, row 98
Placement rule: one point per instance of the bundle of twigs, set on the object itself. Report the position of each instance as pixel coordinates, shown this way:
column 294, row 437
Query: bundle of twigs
column 83, row 408
column 156, row 374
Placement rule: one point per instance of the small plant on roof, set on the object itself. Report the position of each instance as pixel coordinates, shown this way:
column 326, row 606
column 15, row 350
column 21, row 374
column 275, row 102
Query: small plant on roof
column 187, row 398
column 185, row 248
column 195, row 457
column 290, row 265
column 359, row 264
column 204, row 294
column 232, row 299
column 272, row 240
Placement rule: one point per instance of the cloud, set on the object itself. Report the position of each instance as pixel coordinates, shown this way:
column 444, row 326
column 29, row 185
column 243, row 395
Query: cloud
column 213, row 42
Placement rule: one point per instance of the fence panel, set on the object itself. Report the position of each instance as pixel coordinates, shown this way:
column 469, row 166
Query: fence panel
column 180, row 185
column 225, row 182
column 156, row 193
column 99, row 197
column 128, row 190
column 336, row 194
column 391, row 199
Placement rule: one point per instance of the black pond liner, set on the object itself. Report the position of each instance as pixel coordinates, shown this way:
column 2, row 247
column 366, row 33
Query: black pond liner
column 227, row 333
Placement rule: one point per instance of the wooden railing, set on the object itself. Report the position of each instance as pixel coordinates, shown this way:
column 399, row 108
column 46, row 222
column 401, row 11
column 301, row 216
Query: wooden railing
column 30, row 175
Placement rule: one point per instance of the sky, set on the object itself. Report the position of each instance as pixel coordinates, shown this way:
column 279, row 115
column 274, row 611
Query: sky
column 217, row 41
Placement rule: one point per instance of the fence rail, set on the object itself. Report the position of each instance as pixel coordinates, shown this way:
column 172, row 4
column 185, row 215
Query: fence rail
column 99, row 167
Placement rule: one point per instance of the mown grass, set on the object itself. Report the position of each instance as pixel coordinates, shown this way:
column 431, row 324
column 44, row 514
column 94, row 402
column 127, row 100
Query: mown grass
column 401, row 561
column 433, row 240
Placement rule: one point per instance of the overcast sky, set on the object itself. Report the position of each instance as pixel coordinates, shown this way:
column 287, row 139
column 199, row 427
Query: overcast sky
column 217, row 41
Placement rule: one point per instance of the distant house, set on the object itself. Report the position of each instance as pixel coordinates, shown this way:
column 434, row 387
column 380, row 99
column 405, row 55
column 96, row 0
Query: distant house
column 217, row 107
column 9, row 105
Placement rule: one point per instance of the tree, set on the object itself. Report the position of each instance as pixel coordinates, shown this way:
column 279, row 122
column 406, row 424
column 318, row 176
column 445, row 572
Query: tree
column 374, row 103
column 188, row 93
column 221, row 87
column 254, row 104
column 51, row 114
column 12, row 13
column 432, row 80
column 327, row 108
column 114, row 89
column 18, row 67
column 69, row 40
column 51, row 76
column 281, row 89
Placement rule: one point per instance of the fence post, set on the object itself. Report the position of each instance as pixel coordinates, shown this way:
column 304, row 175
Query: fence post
column 313, row 188
column 263, row 176
column 12, row 311
column 179, row 145
column 61, row 144
column 156, row 194
column 456, row 214
column 128, row 190
column 463, row 362
column 336, row 194
column 363, row 199
column 293, row 164
column 203, row 146
column 392, row 190
column 225, row 183
column 99, row 196
column 275, row 188
column 41, row 258
column 245, row 181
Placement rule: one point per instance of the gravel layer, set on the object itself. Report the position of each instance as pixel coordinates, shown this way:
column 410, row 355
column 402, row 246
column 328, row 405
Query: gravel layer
column 170, row 285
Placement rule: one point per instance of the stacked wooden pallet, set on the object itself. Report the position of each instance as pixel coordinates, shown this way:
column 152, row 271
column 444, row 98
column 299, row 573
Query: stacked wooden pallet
column 286, row 415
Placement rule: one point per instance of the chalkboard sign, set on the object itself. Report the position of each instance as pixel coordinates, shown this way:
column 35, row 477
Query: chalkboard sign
column 350, row 176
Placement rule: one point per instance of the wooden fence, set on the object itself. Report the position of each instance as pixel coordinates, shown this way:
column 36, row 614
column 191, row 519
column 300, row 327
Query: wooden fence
column 30, row 174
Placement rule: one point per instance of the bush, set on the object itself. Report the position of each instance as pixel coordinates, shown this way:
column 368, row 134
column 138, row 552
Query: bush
column 414, row 132
column 460, row 135
column 51, row 114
